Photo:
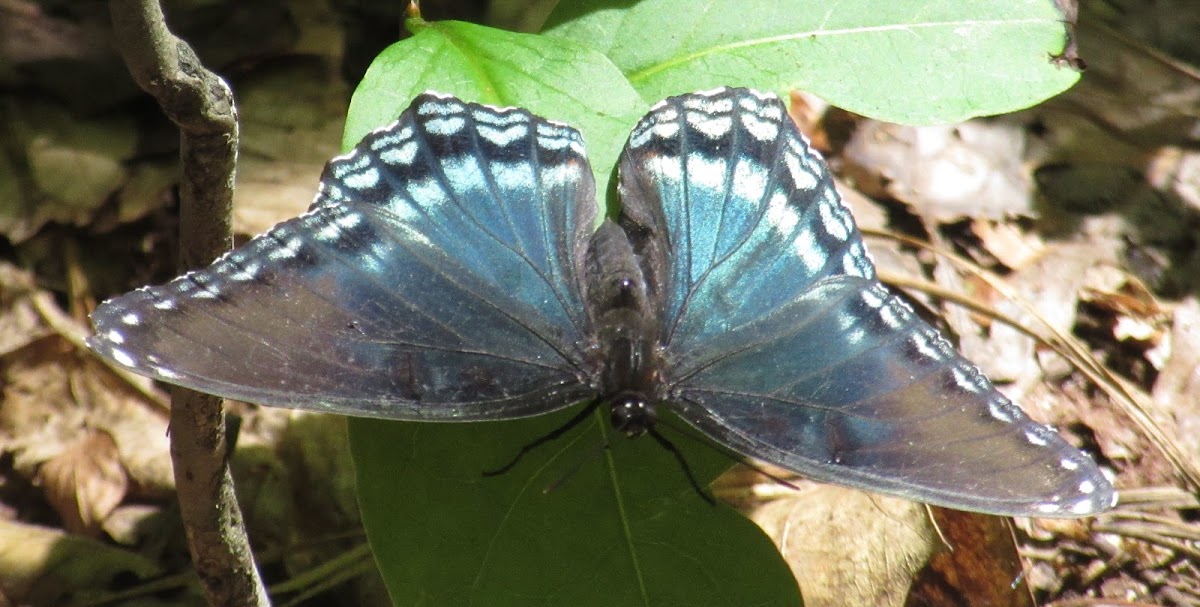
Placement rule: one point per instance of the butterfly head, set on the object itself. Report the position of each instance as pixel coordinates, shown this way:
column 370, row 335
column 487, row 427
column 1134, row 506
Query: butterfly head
column 632, row 413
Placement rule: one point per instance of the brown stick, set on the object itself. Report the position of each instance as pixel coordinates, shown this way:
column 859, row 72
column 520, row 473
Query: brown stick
column 201, row 104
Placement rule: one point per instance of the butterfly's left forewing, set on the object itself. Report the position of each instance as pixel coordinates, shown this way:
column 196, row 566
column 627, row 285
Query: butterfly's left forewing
column 780, row 342
column 433, row 278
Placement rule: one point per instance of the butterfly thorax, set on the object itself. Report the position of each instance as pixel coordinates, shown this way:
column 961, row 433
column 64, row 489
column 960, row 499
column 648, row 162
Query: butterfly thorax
column 626, row 345
column 630, row 371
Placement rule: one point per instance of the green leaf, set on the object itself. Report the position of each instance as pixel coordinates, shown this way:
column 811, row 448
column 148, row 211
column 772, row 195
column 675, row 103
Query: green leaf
column 622, row 525
column 916, row 62
column 557, row 79
column 574, row 523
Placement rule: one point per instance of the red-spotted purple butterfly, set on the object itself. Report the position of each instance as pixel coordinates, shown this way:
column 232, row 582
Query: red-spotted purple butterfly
column 450, row 270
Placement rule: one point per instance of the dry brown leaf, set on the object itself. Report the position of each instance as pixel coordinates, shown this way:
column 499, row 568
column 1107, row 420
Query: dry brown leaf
column 266, row 495
column 40, row 566
column 1138, row 314
column 139, row 429
column 887, row 253
column 1178, row 384
column 85, row 482
column 52, row 141
column 270, row 192
column 1131, row 88
column 848, row 547
column 138, row 524
column 51, row 391
column 19, row 323
column 1049, row 285
column 971, row 169
column 1177, row 171
column 39, row 417
column 806, row 111
column 981, row 566
column 292, row 118
column 1114, row 288
column 1008, row 243
column 316, row 452
column 150, row 186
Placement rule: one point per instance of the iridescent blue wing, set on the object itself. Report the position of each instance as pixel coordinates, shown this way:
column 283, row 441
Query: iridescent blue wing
column 432, row 279
column 782, row 344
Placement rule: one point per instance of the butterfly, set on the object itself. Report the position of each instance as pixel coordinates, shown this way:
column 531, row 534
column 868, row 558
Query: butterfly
column 451, row 269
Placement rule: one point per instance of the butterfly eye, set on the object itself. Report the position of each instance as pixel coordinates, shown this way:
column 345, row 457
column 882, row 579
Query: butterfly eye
column 632, row 415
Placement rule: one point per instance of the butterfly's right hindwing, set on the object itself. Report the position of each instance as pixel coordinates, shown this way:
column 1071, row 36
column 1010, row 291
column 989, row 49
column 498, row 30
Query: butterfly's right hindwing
column 433, row 278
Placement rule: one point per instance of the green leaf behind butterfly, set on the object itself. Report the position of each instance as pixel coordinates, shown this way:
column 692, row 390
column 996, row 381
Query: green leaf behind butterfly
column 621, row 526
column 916, row 62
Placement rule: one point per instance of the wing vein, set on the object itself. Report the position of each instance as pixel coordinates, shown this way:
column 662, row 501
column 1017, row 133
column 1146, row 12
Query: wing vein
column 733, row 250
column 455, row 197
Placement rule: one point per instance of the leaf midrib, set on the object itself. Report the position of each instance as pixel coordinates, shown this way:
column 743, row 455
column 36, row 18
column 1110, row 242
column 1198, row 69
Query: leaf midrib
column 645, row 73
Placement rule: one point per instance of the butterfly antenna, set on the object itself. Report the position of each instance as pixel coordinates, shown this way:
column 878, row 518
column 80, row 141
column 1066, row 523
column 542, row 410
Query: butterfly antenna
column 553, row 434
column 687, row 470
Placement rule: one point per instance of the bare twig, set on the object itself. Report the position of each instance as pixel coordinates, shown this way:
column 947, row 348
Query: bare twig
column 201, row 104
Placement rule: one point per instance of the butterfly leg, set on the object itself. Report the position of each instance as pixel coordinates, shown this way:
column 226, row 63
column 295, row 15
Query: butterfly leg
column 554, row 434
column 687, row 470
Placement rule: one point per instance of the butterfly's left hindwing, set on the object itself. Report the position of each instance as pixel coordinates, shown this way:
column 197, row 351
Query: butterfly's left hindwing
column 433, row 278
column 781, row 344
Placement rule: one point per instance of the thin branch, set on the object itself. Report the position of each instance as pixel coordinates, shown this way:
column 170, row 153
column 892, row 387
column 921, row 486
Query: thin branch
column 201, row 104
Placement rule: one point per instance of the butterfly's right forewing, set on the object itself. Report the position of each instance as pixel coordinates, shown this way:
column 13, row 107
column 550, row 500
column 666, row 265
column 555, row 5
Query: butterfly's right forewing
column 433, row 278
column 781, row 344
